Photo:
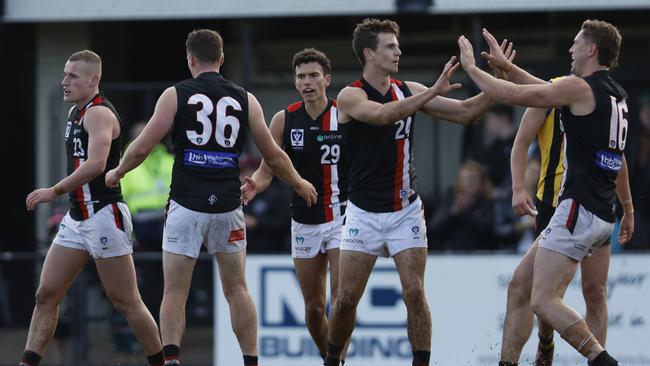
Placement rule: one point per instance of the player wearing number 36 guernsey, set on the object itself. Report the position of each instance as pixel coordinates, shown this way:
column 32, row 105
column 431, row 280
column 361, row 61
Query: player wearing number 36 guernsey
column 209, row 118
column 309, row 132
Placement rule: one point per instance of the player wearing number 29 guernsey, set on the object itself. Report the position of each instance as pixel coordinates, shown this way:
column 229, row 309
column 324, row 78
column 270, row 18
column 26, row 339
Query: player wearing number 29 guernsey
column 205, row 177
column 307, row 141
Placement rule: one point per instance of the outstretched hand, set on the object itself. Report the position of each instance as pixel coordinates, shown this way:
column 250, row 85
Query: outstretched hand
column 466, row 53
column 248, row 190
column 500, row 56
column 442, row 85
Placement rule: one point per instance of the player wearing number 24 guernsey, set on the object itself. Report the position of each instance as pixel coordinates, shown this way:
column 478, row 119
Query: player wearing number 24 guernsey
column 209, row 118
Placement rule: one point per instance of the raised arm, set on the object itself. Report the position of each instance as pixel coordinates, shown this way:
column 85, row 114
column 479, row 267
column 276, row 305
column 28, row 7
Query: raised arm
column 262, row 177
column 353, row 103
column 158, row 126
column 101, row 125
column 569, row 91
column 273, row 155
column 625, row 197
column 531, row 122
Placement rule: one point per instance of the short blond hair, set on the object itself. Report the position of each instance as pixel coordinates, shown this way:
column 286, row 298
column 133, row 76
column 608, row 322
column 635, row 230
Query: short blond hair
column 86, row 56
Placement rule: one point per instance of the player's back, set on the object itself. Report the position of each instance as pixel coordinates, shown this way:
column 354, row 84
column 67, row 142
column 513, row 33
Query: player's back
column 208, row 135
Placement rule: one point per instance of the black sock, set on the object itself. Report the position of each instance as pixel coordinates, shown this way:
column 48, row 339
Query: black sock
column 172, row 354
column 421, row 358
column 156, row 359
column 323, row 355
column 504, row 363
column 30, row 358
column 604, row 359
column 250, row 360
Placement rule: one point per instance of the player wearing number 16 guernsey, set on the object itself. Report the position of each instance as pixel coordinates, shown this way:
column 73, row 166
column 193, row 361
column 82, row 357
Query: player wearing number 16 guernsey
column 209, row 118
column 594, row 121
column 385, row 215
column 308, row 131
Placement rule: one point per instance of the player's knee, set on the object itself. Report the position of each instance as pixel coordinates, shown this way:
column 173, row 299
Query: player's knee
column 539, row 304
column 46, row 296
column 314, row 310
column 414, row 297
column 518, row 290
column 234, row 291
column 595, row 293
column 345, row 302
column 123, row 302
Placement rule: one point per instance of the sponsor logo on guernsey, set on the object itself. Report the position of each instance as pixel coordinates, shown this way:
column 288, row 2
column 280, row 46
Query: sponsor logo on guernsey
column 68, row 126
column 212, row 200
column 608, row 161
column 337, row 137
column 236, row 235
column 314, row 128
column 297, row 138
column 210, row 159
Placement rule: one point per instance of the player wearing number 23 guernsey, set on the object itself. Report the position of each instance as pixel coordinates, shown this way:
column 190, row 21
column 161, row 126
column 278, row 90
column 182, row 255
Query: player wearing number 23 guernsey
column 209, row 118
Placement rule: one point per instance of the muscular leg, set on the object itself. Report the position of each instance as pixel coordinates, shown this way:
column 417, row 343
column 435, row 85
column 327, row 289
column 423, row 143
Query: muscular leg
column 118, row 278
column 410, row 266
column 312, row 275
column 518, row 322
column 552, row 274
column 61, row 267
column 354, row 270
column 177, row 272
column 594, row 288
column 333, row 257
column 243, row 316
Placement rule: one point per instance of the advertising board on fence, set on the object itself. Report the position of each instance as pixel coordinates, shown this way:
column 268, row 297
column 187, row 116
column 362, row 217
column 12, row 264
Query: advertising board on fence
column 466, row 295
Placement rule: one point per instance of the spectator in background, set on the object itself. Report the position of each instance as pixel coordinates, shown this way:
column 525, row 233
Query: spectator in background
column 499, row 131
column 464, row 219
column 640, row 178
column 145, row 190
column 267, row 216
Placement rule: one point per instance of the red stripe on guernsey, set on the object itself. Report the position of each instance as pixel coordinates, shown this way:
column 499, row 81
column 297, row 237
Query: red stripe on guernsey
column 396, row 82
column 294, row 107
column 80, row 193
column 399, row 179
column 327, row 175
column 117, row 215
column 357, row 84
column 402, row 180
column 572, row 219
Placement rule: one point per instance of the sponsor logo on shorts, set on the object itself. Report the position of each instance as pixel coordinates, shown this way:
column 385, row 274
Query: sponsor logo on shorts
column 104, row 242
column 297, row 137
column 236, row 235
column 353, row 232
column 300, row 240
column 404, row 193
column 301, row 249
column 172, row 239
column 546, row 232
